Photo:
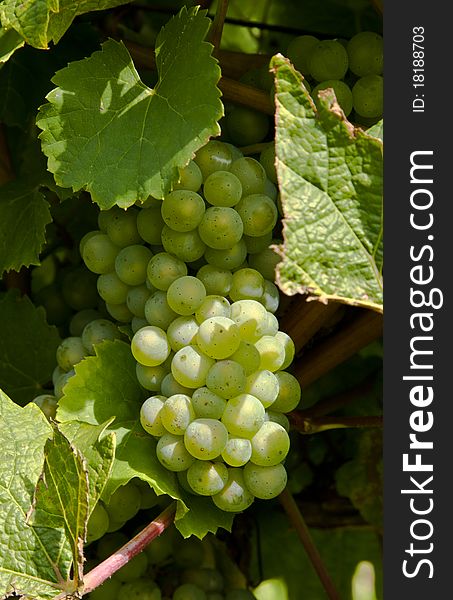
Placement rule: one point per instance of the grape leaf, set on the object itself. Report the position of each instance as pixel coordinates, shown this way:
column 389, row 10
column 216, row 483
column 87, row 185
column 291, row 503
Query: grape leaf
column 107, row 132
column 106, row 386
column 61, row 497
column 10, row 41
column 27, row 347
column 330, row 178
column 377, row 130
column 360, row 479
column 33, row 560
column 42, row 21
column 24, row 214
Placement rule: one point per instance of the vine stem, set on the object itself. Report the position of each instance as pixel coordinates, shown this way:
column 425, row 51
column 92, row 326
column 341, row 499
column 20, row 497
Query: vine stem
column 298, row 522
column 317, row 424
column 113, row 563
column 217, row 25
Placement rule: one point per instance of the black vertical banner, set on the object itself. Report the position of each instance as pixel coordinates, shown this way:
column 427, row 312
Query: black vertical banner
column 418, row 321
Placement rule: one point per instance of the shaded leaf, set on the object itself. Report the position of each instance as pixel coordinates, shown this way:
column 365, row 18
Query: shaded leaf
column 10, row 41
column 330, row 179
column 107, row 132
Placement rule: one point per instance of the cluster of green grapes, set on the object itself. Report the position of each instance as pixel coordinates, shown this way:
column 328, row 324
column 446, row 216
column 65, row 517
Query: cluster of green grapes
column 339, row 64
column 169, row 568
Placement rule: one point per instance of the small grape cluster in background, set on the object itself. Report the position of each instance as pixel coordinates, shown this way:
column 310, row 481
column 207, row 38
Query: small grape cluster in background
column 189, row 280
column 352, row 68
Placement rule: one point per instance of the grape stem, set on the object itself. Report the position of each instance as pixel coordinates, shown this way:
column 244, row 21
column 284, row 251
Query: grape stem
column 361, row 330
column 298, row 522
column 113, row 563
column 317, row 424
column 217, row 25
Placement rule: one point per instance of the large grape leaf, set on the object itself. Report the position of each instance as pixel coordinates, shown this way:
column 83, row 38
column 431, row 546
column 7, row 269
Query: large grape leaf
column 33, row 560
column 10, row 41
column 330, row 179
column 24, row 214
column 27, row 347
column 107, row 132
column 106, row 386
column 42, row 21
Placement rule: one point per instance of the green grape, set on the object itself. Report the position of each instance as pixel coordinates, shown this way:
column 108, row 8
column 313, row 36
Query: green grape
column 185, row 295
column 214, row 156
column 82, row 243
column 183, row 210
column 124, row 503
column 249, row 315
column 237, row 451
column 80, row 319
column 107, row 591
column 112, row 289
column 70, row 352
column 269, row 326
column 109, row 544
column 216, row 281
column 271, row 191
column 158, row 311
column 257, row 244
column 265, row 482
column 210, row 580
column 160, row 548
column 243, row 416
column 131, row 264
column 99, row 254
column 267, row 159
column 213, row 306
column 190, row 178
column 258, row 213
column 182, row 332
column 272, row 353
column 79, row 289
column 366, row 53
column 328, row 60
column 206, row 404
column 172, row 452
column 98, row 523
column 131, row 571
column 222, row 188
column 150, row 202
column 289, row 392
column 299, row 52
column 169, row 387
column 342, row 92
column 139, row 589
column 240, row 594
column 271, row 296
column 188, row 591
column 176, row 414
column 218, row 337
column 150, row 415
column 150, row 377
column 150, row 224
column 136, row 300
column 247, row 126
column 226, row 378
column 150, row 346
column 185, row 245
column 164, row 269
column 247, row 284
column 56, row 374
column 235, row 497
column 221, row 227
column 48, row 404
column 61, row 382
column 122, row 228
column 231, row 258
column 278, row 417
column 368, row 96
column 207, row 478
column 290, row 349
column 251, row 174
column 119, row 312
column 248, row 357
column 235, row 152
column 270, row 445
column 264, row 386
column 106, row 216
column 190, row 367
column 205, row 439
column 188, row 552
column 138, row 323
column 266, row 260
